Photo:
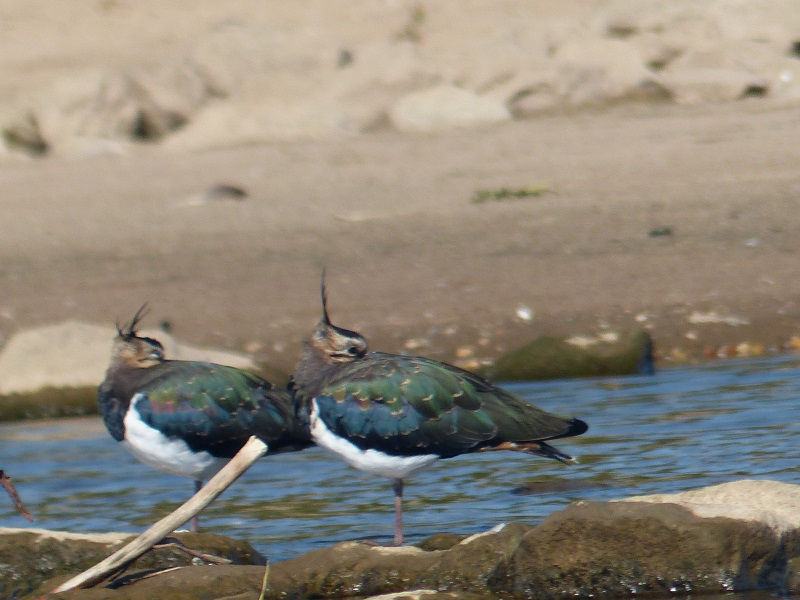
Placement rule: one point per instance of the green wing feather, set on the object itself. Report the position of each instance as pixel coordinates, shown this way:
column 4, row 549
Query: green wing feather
column 215, row 407
column 413, row 405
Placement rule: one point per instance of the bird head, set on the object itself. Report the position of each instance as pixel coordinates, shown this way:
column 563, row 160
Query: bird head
column 135, row 350
column 336, row 344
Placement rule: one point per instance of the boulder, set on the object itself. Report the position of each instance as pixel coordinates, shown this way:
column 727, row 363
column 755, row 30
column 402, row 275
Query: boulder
column 54, row 370
column 772, row 503
column 248, row 121
column 595, row 70
column 719, row 72
column 553, row 358
column 623, row 549
column 445, row 106
column 654, row 546
column 100, row 111
column 29, row 557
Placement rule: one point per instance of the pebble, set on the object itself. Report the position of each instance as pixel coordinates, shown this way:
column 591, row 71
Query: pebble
column 416, row 343
column 464, row 352
column 524, row 313
column 697, row 317
column 609, row 337
column 253, row 347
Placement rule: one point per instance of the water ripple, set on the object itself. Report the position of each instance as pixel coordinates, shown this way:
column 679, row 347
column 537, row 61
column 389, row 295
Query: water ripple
column 681, row 429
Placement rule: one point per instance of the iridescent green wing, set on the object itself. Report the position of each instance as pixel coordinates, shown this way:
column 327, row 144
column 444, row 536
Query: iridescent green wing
column 518, row 420
column 412, row 405
column 213, row 407
column 403, row 406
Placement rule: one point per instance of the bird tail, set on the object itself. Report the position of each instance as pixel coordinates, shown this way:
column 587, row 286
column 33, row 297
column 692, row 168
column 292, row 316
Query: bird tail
column 537, row 448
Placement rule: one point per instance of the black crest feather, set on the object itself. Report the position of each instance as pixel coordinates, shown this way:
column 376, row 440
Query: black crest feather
column 130, row 331
column 324, row 293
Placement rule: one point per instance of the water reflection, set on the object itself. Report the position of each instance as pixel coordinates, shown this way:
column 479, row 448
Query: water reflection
column 681, row 429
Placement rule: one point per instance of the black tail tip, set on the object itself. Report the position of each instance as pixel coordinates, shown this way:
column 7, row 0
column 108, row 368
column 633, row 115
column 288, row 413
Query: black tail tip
column 578, row 427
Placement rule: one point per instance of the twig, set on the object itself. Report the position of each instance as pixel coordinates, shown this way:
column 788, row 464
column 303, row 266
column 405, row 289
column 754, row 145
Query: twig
column 178, row 545
column 136, row 578
column 264, row 582
column 5, row 480
column 249, row 454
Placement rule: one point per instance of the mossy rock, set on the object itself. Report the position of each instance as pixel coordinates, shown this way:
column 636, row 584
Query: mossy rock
column 615, row 549
column 588, row 550
column 28, row 558
column 553, row 358
column 49, row 403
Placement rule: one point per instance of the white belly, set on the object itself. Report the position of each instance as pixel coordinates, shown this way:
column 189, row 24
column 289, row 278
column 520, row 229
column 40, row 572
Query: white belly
column 369, row 461
column 168, row 455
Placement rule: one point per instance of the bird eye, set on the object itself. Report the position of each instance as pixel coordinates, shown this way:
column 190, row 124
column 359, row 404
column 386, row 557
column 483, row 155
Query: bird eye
column 352, row 351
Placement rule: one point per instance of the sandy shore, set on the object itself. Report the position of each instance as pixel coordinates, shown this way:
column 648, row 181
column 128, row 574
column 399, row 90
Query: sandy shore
column 678, row 219
column 412, row 262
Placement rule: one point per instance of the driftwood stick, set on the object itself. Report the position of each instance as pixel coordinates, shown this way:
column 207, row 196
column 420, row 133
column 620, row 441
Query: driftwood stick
column 250, row 453
column 5, row 481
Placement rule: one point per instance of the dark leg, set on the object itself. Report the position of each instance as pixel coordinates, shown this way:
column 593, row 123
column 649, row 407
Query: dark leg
column 194, row 524
column 397, row 485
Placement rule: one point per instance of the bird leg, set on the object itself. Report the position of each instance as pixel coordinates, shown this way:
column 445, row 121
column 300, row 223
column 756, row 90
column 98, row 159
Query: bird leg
column 244, row 459
column 5, row 481
column 194, row 524
column 397, row 485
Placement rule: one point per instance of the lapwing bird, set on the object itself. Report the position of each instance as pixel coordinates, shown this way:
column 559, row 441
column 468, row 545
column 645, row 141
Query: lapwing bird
column 393, row 416
column 189, row 418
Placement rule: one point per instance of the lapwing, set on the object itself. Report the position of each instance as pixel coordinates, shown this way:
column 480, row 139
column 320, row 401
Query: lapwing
column 189, row 418
column 395, row 415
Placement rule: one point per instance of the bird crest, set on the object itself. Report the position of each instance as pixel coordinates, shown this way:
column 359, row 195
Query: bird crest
column 336, row 343
column 130, row 330
column 324, row 293
column 136, row 350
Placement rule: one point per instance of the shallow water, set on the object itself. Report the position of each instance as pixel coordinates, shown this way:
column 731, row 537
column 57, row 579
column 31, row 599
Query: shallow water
column 677, row 430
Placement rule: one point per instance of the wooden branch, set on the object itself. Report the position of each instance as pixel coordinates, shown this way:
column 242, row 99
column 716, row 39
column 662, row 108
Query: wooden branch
column 250, row 453
column 5, row 481
column 178, row 545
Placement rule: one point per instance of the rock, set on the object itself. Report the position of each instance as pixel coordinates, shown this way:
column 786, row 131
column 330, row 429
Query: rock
column 551, row 358
column 29, row 557
column 54, row 370
column 97, row 111
column 625, row 19
column 772, row 503
column 247, row 121
column 596, row 70
column 240, row 58
column 68, row 355
column 379, row 75
column 623, row 549
column 658, row 545
column 445, row 106
column 773, row 23
column 245, row 82
column 719, row 72
column 530, row 91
